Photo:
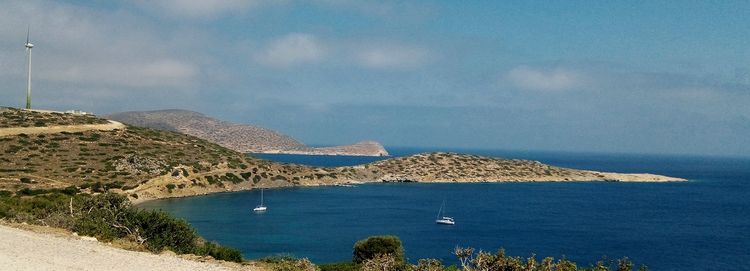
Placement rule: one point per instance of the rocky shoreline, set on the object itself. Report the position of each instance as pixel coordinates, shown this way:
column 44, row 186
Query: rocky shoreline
column 365, row 148
column 419, row 168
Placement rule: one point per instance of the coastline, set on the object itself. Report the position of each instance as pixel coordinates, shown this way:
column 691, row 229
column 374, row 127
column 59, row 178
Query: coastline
column 608, row 178
column 292, row 152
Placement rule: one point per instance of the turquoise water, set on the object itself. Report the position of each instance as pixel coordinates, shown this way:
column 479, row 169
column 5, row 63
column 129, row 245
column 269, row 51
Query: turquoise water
column 702, row 224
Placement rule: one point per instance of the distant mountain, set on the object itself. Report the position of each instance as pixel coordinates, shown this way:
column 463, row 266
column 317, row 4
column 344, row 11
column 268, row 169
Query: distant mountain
column 238, row 137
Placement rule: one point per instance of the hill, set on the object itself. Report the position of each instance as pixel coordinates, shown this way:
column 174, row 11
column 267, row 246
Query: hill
column 146, row 163
column 239, row 137
column 128, row 160
column 453, row 167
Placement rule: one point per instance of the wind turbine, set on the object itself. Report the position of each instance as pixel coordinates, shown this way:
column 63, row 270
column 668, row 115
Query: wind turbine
column 28, row 52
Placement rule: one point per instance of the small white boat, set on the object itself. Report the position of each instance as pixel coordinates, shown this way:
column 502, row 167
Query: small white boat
column 445, row 221
column 442, row 219
column 261, row 207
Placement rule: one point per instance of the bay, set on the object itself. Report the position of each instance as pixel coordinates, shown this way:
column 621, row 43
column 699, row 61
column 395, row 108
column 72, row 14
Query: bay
column 701, row 224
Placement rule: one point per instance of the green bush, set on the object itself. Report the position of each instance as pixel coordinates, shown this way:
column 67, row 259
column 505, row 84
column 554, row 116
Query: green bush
column 378, row 245
column 219, row 252
column 163, row 231
column 106, row 218
column 233, row 178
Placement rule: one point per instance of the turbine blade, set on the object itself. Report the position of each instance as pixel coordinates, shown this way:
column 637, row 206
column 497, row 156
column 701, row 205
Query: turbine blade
column 28, row 28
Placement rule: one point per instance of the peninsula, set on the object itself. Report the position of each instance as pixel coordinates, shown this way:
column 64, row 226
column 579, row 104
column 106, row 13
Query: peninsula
column 243, row 138
column 145, row 163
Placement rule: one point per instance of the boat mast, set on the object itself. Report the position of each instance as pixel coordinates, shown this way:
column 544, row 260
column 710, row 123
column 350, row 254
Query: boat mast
column 440, row 212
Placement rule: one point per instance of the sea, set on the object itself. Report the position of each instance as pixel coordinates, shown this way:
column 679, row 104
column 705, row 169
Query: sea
column 701, row 224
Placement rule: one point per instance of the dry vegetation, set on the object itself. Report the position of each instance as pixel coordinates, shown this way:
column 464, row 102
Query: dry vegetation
column 148, row 163
column 140, row 162
column 10, row 117
column 448, row 167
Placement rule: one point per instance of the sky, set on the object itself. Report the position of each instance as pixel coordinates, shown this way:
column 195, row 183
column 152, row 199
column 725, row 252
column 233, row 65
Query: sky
column 657, row 77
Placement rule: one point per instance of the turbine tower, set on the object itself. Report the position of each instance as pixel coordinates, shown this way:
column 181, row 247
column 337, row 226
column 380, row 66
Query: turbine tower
column 28, row 87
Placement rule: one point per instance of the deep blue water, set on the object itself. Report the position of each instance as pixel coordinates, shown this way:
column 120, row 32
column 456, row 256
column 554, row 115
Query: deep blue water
column 703, row 224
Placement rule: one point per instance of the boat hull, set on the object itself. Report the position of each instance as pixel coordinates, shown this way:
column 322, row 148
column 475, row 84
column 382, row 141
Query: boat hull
column 260, row 209
column 445, row 222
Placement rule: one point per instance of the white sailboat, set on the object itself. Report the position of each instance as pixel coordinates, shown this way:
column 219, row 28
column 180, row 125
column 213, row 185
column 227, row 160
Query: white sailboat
column 261, row 207
column 442, row 219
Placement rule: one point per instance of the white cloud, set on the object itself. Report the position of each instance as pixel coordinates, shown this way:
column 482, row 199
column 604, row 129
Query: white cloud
column 391, row 56
column 200, row 8
column 555, row 79
column 89, row 47
column 292, row 49
column 137, row 74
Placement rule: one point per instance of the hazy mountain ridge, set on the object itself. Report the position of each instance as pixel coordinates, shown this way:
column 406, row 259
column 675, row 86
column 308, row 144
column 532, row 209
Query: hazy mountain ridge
column 239, row 137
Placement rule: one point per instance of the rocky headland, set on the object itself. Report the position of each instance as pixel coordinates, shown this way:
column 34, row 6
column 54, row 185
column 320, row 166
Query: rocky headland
column 243, row 138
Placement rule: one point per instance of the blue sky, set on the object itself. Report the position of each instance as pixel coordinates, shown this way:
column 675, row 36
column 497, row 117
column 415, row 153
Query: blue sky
column 667, row 77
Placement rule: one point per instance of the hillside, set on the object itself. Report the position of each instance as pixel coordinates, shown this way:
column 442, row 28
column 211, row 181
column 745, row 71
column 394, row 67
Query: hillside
column 239, row 137
column 146, row 163
column 10, row 117
column 453, row 167
column 138, row 161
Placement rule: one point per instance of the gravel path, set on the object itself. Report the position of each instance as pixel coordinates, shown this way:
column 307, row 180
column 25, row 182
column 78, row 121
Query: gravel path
column 26, row 250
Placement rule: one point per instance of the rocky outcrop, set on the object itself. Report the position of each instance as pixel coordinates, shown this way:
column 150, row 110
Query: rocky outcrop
column 364, row 148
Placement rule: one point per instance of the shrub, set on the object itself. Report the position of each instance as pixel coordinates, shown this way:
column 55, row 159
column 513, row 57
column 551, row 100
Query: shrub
column 378, row 245
column 70, row 190
column 384, row 262
column 232, row 178
column 106, row 218
column 162, row 231
column 98, row 187
column 219, row 252
column 287, row 263
column 428, row 265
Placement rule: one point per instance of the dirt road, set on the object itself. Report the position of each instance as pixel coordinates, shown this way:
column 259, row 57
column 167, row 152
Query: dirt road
column 27, row 250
